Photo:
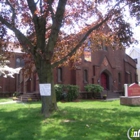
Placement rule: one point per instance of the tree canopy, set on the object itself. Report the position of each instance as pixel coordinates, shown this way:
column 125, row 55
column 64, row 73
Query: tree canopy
column 54, row 31
column 65, row 24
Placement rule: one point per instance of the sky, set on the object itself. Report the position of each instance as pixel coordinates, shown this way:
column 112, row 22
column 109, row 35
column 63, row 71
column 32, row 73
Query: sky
column 137, row 37
column 132, row 21
column 137, row 33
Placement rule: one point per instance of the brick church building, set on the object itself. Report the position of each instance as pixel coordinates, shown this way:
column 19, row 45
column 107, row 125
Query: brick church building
column 107, row 67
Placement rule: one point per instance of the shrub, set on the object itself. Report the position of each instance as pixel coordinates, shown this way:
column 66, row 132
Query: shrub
column 95, row 89
column 89, row 87
column 58, row 90
column 72, row 92
column 66, row 92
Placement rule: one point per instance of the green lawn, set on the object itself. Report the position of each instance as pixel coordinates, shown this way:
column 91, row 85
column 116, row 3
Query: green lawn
column 85, row 120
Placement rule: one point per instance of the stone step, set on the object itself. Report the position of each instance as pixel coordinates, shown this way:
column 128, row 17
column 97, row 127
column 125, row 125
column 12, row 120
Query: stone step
column 111, row 94
column 27, row 97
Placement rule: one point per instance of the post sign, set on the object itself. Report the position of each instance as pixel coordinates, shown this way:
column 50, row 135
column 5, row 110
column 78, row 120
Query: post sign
column 134, row 90
column 45, row 89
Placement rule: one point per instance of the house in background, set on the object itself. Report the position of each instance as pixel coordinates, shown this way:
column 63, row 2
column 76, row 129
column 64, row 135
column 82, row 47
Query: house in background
column 134, row 53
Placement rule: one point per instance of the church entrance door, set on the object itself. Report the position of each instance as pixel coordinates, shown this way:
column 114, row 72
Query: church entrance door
column 104, row 80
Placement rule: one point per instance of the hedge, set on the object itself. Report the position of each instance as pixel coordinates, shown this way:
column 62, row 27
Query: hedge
column 66, row 92
column 95, row 89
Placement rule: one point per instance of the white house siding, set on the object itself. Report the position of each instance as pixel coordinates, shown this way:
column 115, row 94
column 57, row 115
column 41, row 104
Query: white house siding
column 134, row 53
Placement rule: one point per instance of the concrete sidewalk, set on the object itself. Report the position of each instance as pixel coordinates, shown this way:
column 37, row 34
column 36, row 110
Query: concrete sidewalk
column 111, row 99
column 10, row 102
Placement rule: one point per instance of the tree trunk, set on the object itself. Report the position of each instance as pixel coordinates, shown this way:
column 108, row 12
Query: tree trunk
column 45, row 73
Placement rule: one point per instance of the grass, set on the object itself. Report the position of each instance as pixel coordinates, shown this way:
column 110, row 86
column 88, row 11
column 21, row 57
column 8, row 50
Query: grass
column 85, row 120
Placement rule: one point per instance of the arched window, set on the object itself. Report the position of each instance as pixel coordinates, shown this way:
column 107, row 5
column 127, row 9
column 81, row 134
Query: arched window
column 119, row 77
column 131, row 78
column 19, row 62
column 85, row 76
column 22, row 62
column 93, row 70
column 59, row 74
column 105, row 48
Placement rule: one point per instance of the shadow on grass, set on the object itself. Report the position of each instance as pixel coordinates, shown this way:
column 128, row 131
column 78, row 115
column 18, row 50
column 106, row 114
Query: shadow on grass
column 98, row 124
column 19, row 122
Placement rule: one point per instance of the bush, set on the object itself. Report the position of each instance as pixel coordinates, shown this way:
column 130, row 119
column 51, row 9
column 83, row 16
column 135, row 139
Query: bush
column 66, row 92
column 58, row 90
column 96, row 89
column 72, row 92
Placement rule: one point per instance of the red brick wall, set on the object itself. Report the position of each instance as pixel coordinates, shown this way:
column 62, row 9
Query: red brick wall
column 111, row 62
column 8, row 85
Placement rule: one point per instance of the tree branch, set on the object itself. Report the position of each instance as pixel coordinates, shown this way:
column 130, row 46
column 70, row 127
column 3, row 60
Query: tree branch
column 25, row 42
column 86, row 35
column 32, row 6
column 56, row 27
column 41, row 7
column 37, row 2
column 80, row 43
column 13, row 11
column 50, row 2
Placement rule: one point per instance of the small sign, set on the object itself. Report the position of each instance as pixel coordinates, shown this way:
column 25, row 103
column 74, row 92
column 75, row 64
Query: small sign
column 45, row 89
column 134, row 90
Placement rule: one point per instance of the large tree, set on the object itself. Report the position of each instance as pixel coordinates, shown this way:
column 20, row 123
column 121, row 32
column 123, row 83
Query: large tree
column 53, row 31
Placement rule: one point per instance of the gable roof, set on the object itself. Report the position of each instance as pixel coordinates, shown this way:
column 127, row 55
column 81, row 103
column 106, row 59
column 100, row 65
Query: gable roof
column 105, row 61
column 134, row 49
